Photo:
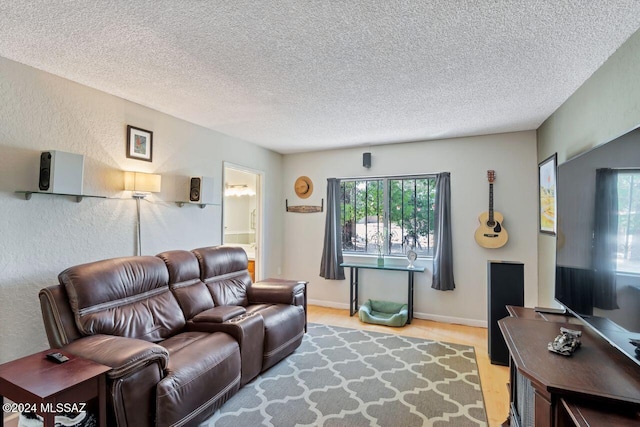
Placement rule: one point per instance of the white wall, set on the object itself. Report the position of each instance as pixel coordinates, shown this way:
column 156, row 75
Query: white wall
column 41, row 237
column 606, row 106
column 512, row 156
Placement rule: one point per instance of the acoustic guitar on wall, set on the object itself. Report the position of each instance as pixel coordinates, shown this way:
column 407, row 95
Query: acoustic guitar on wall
column 490, row 233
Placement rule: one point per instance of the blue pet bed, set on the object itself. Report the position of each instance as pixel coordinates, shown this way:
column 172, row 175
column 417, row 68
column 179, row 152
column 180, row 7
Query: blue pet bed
column 384, row 313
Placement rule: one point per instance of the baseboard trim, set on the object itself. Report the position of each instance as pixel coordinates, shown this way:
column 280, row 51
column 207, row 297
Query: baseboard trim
column 450, row 319
column 329, row 304
column 425, row 316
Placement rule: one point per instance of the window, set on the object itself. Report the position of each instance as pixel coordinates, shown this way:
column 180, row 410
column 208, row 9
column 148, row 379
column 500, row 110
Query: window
column 629, row 222
column 388, row 215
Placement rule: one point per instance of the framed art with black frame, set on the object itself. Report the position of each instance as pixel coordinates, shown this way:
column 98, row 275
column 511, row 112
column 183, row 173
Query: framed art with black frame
column 139, row 144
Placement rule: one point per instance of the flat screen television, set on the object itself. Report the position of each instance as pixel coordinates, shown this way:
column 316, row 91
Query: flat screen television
column 598, row 239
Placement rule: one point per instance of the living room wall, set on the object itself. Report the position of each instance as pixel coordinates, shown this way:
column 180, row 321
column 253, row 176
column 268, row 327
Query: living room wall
column 606, row 106
column 511, row 155
column 43, row 236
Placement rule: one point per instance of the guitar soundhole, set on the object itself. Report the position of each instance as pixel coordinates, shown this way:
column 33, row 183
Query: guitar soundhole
column 495, row 225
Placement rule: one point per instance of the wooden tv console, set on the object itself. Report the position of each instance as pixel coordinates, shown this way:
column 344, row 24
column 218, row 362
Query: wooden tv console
column 596, row 386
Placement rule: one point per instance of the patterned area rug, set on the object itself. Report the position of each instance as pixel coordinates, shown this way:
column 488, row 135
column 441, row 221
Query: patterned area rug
column 348, row 377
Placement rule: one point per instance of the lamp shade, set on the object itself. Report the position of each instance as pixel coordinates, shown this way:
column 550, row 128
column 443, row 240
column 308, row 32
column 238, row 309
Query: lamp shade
column 143, row 182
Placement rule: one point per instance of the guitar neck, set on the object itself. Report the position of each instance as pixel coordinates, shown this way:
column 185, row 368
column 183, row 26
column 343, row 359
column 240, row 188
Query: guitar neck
column 491, row 202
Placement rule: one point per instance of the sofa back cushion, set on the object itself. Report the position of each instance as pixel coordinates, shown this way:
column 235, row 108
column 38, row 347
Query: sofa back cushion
column 184, row 281
column 224, row 270
column 127, row 297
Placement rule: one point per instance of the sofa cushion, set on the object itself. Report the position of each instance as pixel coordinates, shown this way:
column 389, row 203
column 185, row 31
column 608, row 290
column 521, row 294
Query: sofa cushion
column 224, row 270
column 203, row 372
column 126, row 297
column 184, row 280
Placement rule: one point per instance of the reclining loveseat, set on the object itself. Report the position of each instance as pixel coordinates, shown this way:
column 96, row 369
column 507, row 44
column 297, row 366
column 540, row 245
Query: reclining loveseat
column 182, row 331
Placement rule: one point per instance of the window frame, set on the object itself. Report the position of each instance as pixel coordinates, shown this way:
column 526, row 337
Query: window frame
column 386, row 179
column 635, row 175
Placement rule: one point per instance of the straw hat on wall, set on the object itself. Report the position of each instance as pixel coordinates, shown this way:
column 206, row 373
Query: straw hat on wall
column 303, row 187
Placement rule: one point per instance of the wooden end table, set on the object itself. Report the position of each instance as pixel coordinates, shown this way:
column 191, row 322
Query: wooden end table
column 46, row 387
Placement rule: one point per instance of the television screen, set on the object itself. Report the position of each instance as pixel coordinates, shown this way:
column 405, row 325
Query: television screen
column 598, row 239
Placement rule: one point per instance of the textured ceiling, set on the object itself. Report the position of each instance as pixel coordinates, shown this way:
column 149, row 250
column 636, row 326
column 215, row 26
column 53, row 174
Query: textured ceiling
column 301, row 75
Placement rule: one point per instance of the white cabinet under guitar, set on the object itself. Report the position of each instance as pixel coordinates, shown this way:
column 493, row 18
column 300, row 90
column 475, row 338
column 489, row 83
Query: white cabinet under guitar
column 490, row 233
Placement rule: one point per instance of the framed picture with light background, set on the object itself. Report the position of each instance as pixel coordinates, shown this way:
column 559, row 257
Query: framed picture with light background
column 139, row 144
column 547, row 195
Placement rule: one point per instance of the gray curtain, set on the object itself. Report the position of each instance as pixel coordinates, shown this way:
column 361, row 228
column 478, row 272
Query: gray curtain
column 605, row 240
column 443, row 257
column 332, row 252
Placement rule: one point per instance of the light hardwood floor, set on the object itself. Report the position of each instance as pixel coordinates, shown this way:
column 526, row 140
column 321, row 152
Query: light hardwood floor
column 493, row 378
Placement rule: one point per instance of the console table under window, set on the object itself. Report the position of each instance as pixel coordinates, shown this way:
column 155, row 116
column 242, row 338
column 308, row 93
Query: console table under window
column 353, row 283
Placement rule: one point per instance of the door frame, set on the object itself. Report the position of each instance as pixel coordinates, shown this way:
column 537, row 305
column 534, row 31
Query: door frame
column 259, row 208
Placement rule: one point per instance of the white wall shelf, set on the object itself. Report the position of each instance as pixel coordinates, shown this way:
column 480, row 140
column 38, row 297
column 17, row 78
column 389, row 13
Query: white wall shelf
column 79, row 197
column 201, row 205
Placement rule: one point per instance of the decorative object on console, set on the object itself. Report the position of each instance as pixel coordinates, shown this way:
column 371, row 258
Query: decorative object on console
column 379, row 239
column 303, row 187
column 547, row 195
column 139, row 144
column 411, row 256
column 490, row 233
column 566, row 343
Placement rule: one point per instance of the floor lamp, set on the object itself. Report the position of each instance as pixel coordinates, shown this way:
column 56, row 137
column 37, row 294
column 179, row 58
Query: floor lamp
column 142, row 184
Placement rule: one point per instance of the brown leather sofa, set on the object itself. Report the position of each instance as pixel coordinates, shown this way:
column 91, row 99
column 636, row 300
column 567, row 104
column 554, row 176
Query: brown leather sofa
column 182, row 331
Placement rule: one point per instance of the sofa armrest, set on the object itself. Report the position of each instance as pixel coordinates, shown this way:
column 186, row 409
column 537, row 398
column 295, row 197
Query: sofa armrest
column 219, row 314
column 123, row 355
column 59, row 321
column 276, row 291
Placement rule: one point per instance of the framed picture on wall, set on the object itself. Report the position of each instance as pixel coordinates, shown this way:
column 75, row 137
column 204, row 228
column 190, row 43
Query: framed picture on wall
column 139, row 144
column 547, row 195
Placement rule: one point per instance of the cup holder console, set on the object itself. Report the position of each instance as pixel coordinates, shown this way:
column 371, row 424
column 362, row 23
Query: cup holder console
column 241, row 317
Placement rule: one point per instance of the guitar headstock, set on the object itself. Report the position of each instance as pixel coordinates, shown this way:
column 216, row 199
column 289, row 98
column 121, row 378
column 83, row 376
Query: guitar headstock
column 491, row 175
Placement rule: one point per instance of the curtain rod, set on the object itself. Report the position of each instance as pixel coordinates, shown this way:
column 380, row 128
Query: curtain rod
column 385, row 176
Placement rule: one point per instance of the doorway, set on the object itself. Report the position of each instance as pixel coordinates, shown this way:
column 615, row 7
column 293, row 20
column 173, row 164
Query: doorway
column 242, row 213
